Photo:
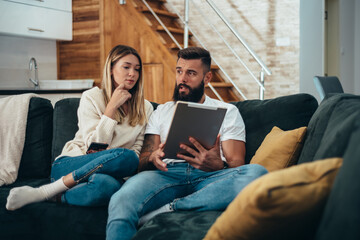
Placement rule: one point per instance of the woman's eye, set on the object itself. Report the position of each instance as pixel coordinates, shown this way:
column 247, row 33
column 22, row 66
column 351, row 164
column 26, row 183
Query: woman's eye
column 138, row 69
column 126, row 67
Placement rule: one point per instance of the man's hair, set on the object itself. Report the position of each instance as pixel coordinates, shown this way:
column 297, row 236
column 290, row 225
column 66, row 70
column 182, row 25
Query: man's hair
column 197, row 53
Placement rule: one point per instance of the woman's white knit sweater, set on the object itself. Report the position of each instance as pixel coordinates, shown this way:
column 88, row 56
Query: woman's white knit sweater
column 94, row 126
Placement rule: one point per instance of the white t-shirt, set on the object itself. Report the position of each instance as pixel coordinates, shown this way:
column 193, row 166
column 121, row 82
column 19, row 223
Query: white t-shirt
column 232, row 128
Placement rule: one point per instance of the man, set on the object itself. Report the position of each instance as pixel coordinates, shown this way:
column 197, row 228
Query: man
column 209, row 180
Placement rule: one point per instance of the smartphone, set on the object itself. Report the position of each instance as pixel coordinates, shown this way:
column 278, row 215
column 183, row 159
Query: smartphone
column 96, row 146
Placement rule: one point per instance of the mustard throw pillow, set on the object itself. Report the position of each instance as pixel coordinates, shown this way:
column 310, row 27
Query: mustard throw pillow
column 280, row 205
column 280, row 149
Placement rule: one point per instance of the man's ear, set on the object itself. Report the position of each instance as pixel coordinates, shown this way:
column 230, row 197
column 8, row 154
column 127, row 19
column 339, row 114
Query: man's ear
column 208, row 77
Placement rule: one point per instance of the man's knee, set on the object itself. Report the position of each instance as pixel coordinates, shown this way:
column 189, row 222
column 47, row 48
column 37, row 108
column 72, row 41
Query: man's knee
column 257, row 169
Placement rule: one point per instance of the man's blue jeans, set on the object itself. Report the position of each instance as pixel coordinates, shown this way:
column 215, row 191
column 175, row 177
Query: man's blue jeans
column 99, row 175
column 183, row 186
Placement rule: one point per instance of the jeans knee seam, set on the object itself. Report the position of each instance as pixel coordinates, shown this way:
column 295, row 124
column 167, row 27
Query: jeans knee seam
column 227, row 177
column 113, row 156
column 155, row 193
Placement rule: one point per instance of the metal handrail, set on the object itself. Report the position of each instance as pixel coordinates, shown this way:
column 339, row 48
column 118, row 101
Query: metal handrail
column 213, row 58
column 237, row 35
column 162, row 24
column 176, row 42
column 187, row 28
column 261, row 85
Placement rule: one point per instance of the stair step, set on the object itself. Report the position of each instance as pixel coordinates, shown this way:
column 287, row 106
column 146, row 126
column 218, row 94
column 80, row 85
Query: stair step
column 215, row 67
column 158, row 12
column 172, row 30
column 221, row 85
column 163, row 1
column 173, row 46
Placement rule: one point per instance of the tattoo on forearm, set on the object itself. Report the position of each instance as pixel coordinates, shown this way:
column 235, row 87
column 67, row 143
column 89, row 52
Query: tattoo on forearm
column 148, row 145
column 146, row 150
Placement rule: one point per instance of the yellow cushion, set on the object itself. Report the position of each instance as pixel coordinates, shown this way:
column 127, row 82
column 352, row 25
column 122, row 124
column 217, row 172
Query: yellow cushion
column 284, row 204
column 280, row 149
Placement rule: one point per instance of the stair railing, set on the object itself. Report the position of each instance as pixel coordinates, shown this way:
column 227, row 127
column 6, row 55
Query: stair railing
column 264, row 68
column 186, row 36
column 176, row 42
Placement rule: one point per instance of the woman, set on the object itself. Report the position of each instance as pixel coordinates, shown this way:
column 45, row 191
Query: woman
column 116, row 114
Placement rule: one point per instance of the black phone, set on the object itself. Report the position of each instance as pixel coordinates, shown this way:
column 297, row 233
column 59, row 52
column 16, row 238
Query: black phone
column 96, row 146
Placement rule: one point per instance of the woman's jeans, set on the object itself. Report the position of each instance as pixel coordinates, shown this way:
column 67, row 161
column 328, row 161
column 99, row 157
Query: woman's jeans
column 183, row 186
column 99, row 175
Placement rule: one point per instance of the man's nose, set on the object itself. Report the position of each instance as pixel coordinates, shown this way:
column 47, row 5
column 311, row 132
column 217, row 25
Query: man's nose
column 183, row 78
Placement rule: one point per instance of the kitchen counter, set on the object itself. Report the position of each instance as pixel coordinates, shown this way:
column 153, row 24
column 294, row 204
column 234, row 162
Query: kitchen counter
column 13, row 91
column 53, row 95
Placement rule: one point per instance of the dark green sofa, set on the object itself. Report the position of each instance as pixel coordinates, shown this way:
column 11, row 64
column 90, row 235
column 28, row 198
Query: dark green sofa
column 333, row 131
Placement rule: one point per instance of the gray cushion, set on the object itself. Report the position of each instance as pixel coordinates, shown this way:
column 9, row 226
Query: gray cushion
column 65, row 123
column 330, row 128
column 35, row 160
column 178, row 225
column 341, row 218
column 260, row 116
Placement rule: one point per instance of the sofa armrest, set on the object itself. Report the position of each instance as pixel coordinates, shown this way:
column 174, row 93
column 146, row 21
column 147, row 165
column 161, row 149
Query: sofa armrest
column 35, row 160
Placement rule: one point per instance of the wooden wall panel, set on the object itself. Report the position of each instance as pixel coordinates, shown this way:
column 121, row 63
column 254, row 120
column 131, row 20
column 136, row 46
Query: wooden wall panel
column 99, row 25
column 125, row 25
column 80, row 58
column 152, row 89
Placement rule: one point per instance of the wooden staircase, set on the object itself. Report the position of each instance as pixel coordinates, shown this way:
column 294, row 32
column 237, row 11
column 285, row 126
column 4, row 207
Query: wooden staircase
column 170, row 20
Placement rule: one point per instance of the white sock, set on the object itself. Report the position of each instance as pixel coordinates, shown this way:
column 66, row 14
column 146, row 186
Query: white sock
column 21, row 196
column 150, row 215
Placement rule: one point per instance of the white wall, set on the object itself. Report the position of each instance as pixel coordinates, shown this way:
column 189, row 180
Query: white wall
column 312, row 44
column 357, row 48
column 346, row 32
column 15, row 53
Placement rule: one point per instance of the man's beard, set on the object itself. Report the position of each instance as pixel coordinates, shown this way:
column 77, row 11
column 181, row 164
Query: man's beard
column 194, row 95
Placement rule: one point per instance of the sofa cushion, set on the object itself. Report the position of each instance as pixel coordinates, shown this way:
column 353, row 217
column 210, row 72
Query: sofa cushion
column 65, row 124
column 177, row 225
column 284, row 204
column 341, row 218
column 260, row 116
column 280, row 149
column 49, row 220
column 330, row 128
column 35, row 160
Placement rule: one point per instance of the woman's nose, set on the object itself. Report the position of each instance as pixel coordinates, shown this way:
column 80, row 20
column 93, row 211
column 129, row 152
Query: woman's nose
column 132, row 72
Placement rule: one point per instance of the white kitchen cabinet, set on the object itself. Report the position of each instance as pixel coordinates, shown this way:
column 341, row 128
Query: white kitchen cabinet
column 48, row 19
column 64, row 5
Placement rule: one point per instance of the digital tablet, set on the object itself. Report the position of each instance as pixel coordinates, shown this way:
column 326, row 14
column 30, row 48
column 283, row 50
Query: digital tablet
column 196, row 120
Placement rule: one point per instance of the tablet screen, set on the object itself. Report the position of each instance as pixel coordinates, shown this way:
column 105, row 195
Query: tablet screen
column 196, row 120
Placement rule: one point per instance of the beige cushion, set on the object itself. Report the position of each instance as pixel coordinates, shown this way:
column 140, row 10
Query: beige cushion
column 280, row 149
column 285, row 204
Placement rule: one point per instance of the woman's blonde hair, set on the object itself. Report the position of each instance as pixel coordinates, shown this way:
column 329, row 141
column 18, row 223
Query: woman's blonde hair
column 136, row 111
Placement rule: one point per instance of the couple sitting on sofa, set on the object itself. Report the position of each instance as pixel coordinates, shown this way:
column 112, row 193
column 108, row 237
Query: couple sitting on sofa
column 118, row 115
